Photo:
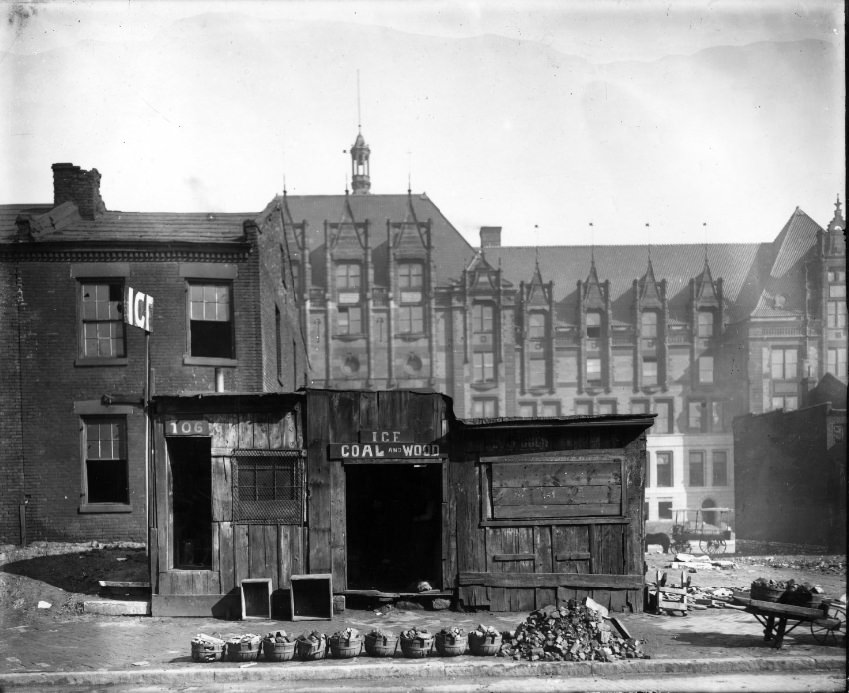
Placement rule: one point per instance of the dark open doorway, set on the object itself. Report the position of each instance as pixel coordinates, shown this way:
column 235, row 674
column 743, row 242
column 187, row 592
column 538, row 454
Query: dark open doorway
column 191, row 493
column 394, row 526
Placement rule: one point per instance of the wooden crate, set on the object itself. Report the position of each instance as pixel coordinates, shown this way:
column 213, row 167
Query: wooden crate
column 256, row 598
column 311, row 597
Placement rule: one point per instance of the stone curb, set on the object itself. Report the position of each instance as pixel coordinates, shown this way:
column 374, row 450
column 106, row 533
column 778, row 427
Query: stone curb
column 301, row 672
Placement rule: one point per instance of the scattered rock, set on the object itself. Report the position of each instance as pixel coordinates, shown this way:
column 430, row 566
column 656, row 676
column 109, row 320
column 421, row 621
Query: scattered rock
column 44, row 605
column 573, row 632
column 441, row 604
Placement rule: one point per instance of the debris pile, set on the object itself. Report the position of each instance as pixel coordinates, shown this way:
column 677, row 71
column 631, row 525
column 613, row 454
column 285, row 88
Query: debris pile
column 570, row 633
column 709, row 597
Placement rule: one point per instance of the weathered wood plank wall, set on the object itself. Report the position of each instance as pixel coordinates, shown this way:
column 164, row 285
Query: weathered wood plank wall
column 239, row 551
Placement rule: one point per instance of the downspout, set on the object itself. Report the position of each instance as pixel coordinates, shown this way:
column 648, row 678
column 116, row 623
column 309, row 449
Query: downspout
column 24, row 498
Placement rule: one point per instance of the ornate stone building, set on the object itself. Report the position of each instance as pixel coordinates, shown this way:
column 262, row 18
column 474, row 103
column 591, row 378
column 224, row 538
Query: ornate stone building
column 392, row 296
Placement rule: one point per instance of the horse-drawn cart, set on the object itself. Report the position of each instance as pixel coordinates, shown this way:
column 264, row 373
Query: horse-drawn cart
column 708, row 526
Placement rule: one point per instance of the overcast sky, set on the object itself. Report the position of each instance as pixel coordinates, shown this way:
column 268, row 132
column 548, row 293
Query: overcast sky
column 540, row 117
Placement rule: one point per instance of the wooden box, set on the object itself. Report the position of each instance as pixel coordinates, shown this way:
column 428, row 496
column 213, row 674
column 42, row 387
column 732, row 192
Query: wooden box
column 311, row 597
column 256, row 598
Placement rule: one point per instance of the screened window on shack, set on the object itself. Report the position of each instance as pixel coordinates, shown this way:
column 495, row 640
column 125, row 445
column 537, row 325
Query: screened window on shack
column 268, row 487
column 551, row 490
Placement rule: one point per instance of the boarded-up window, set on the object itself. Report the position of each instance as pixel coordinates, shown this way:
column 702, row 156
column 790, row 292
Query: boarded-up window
column 268, row 487
column 554, row 489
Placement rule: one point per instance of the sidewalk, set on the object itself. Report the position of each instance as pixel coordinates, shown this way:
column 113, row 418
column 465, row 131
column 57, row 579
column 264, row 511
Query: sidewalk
column 99, row 650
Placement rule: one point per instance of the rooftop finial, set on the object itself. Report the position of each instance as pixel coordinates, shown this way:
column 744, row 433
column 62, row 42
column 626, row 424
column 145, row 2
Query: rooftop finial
column 648, row 235
column 837, row 206
column 284, row 185
column 592, row 244
column 704, row 226
column 409, row 172
column 359, row 116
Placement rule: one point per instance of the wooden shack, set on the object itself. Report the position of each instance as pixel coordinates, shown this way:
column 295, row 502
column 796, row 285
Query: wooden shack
column 549, row 510
column 228, row 500
column 382, row 491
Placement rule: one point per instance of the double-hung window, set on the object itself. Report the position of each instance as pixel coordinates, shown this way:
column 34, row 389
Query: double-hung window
column 211, row 332
column 783, row 364
column 663, row 465
column 697, row 468
column 411, row 298
column 483, row 367
column 102, row 333
column 106, row 482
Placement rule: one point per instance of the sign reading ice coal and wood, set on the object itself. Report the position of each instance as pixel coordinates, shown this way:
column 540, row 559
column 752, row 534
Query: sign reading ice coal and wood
column 138, row 309
column 383, row 444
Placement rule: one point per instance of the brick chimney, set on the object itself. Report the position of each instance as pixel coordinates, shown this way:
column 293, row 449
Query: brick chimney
column 490, row 236
column 72, row 184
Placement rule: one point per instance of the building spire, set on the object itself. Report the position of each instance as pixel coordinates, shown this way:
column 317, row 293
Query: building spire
column 592, row 245
column 359, row 114
column 360, row 153
column 837, row 223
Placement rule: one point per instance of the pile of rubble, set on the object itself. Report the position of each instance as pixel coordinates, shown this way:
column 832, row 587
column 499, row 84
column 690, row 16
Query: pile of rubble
column 573, row 633
column 709, row 597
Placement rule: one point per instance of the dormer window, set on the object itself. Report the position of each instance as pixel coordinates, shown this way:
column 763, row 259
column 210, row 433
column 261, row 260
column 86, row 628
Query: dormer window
column 648, row 324
column 593, row 325
column 482, row 316
column 705, row 326
column 348, row 281
column 536, row 326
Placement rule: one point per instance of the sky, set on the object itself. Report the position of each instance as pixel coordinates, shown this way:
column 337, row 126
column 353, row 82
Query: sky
column 655, row 122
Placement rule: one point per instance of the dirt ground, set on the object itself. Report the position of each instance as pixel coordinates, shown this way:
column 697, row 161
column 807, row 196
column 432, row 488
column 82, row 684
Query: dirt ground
column 65, row 575
column 62, row 575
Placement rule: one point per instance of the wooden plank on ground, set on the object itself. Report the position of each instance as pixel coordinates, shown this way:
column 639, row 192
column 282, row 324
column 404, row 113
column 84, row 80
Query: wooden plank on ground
column 575, row 580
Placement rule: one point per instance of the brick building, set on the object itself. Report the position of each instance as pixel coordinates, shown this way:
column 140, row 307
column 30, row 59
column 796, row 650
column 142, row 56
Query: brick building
column 73, row 373
column 382, row 292
column 790, row 470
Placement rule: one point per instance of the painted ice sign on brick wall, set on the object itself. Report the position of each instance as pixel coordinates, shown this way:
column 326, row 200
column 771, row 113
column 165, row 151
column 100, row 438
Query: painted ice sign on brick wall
column 138, row 309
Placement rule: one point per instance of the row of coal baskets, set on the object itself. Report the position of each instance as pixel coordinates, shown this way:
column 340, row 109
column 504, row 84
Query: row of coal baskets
column 279, row 646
